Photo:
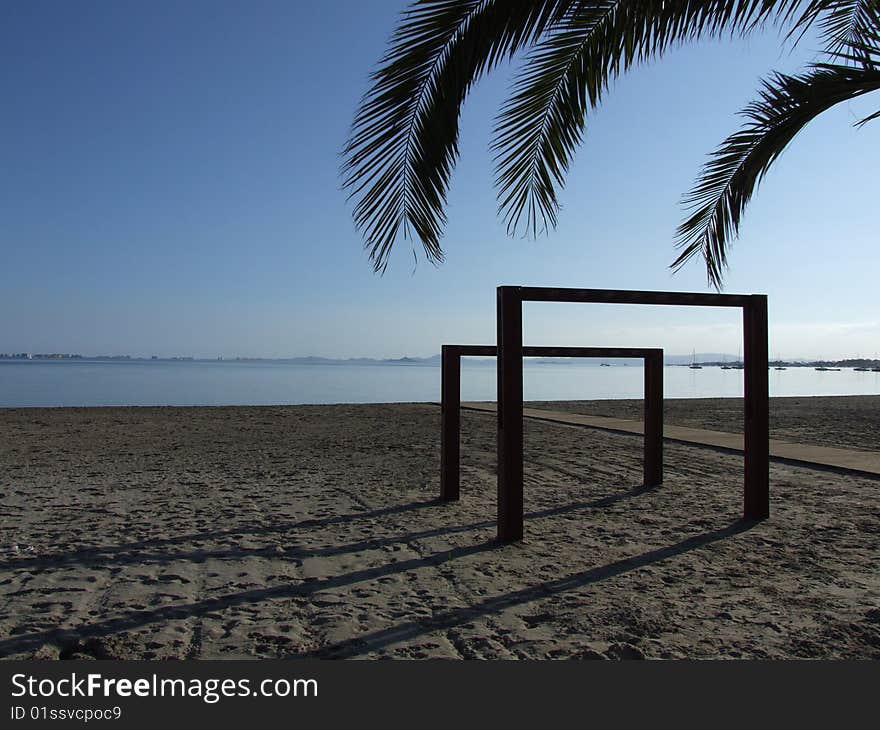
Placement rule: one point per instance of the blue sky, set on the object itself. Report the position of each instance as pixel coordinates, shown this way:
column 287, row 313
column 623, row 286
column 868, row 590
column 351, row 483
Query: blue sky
column 170, row 186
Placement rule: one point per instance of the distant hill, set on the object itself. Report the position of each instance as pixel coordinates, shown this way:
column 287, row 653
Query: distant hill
column 313, row 360
column 668, row 360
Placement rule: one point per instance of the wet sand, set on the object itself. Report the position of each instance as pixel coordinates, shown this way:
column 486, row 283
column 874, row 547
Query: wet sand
column 313, row 531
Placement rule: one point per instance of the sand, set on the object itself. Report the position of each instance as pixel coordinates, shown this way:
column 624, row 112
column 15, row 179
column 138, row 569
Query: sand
column 848, row 422
column 313, row 531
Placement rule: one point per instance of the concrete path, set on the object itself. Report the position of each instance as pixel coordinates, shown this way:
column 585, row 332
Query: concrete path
column 863, row 462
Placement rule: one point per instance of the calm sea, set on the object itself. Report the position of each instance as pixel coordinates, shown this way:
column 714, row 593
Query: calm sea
column 149, row 383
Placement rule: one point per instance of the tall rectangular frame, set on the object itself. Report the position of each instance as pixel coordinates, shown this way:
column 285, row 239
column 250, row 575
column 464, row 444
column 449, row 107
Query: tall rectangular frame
column 450, row 405
column 756, row 483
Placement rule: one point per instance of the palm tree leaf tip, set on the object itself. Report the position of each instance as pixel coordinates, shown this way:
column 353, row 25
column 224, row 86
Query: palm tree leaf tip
column 786, row 104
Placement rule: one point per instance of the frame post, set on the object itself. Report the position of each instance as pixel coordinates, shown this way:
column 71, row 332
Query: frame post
column 653, row 462
column 510, row 414
column 756, row 444
column 450, row 422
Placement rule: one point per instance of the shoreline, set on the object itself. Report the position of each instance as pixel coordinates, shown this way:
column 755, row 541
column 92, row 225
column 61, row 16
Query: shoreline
column 844, row 421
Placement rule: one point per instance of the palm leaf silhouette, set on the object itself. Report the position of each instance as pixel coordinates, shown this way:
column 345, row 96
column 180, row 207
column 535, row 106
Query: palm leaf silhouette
column 785, row 105
column 404, row 140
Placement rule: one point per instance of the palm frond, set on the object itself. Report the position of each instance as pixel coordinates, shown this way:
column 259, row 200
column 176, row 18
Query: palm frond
column 844, row 23
column 542, row 124
column 869, row 118
column 404, row 138
column 785, row 105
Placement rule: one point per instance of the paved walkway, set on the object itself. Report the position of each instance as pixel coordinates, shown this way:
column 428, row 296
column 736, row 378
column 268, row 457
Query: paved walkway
column 863, row 462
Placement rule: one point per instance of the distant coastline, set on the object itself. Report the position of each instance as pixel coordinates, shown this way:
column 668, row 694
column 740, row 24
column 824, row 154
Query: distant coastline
column 847, row 363
column 710, row 360
column 310, row 360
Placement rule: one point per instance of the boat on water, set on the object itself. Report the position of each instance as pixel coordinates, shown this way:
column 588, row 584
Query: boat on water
column 694, row 365
column 605, row 365
column 827, row 370
column 738, row 365
column 862, row 370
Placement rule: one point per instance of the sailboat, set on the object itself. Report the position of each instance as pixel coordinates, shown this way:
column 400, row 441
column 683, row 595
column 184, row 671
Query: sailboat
column 693, row 365
column 826, row 369
column 738, row 365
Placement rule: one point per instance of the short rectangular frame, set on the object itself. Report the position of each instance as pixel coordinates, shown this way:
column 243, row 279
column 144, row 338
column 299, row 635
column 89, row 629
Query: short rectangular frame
column 450, row 405
column 756, row 487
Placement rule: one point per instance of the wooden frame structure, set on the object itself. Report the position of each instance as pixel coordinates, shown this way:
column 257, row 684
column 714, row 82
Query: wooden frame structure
column 450, row 405
column 756, row 488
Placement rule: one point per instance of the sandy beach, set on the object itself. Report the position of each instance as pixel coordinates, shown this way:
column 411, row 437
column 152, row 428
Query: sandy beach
column 314, row 531
column 844, row 421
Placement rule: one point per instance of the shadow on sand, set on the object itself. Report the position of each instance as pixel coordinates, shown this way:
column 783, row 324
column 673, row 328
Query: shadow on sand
column 378, row 639
column 127, row 553
column 134, row 553
column 455, row 617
